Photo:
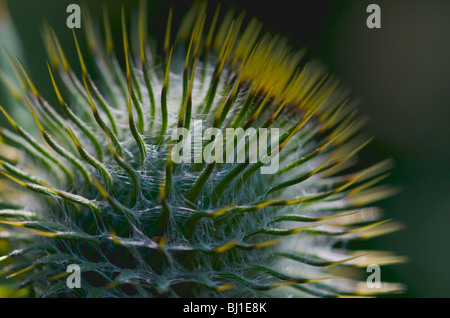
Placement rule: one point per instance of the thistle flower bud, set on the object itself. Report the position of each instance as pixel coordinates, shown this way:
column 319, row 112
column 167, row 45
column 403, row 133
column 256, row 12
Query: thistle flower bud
column 109, row 184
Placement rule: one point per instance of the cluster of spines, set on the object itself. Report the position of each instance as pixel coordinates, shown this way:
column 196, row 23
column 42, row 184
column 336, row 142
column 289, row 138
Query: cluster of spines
column 264, row 75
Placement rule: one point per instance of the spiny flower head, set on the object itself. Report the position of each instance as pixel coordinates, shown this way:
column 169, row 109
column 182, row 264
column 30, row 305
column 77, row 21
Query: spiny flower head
column 100, row 186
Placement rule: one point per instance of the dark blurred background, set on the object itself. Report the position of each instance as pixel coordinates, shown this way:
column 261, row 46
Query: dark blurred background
column 401, row 72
